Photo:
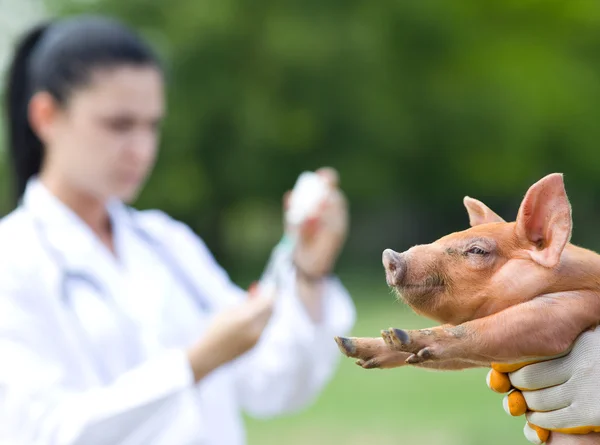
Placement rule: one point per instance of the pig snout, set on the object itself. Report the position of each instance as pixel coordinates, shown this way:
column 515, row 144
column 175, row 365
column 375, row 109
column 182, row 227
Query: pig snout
column 395, row 267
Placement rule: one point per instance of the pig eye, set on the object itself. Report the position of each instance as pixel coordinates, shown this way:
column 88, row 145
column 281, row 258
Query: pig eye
column 477, row 251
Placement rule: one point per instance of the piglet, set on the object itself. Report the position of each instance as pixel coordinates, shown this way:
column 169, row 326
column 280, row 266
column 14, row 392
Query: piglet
column 505, row 293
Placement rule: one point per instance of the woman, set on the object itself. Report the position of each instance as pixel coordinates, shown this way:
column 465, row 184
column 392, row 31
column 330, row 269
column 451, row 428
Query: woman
column 117, row 326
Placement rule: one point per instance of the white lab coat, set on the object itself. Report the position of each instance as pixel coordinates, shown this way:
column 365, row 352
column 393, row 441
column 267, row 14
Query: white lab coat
column 86, row 368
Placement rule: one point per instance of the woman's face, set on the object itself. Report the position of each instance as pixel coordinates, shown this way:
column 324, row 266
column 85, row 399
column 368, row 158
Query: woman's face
column 104, row 140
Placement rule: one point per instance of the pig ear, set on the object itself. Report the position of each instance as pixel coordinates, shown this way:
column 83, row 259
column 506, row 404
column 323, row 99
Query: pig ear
column 479, row 213
column 544, row 220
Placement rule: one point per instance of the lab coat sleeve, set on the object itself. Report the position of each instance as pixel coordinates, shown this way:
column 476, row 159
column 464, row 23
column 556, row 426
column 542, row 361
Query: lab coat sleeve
column 296, row 357
column 39, row 404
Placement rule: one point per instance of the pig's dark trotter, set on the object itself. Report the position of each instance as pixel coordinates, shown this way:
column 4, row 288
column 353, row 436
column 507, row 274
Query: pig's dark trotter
column 401, row 335
column 422, row 356
column 346, row 345
column 368, row 364
column 400, row 340
column 422, row 344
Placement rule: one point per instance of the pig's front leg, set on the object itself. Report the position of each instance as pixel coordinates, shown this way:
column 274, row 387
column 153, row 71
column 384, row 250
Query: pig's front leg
column 431, row 345
column 543, row 327
column 371, row 353
column 375, row 353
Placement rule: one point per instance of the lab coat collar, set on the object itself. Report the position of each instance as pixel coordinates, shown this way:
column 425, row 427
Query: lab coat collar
column 66, row 232
column 39, row 199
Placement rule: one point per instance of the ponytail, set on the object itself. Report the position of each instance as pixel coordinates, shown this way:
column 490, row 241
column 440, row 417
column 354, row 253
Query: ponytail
column 25, row 147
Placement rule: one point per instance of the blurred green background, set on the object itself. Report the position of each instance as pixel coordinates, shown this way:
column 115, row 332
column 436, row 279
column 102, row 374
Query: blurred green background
column 416, row 104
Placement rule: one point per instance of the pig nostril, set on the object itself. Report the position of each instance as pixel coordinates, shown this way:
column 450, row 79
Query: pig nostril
column 395, row 266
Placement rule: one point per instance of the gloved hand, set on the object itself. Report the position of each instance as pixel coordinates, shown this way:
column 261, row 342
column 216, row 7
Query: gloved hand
column 561, row 395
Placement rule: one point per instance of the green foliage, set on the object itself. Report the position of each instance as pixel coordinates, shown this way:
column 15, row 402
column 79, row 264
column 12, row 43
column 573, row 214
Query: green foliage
column 415, row 103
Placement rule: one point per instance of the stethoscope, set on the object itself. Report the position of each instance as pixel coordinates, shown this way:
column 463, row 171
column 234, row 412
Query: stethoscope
column 70, row 277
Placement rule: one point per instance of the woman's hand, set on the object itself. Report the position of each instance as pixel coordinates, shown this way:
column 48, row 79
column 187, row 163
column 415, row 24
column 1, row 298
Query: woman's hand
column 321, row 239
column 232, row 333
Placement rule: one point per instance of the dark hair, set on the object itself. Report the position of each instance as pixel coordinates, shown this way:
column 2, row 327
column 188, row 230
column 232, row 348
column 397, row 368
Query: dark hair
column 58, row 57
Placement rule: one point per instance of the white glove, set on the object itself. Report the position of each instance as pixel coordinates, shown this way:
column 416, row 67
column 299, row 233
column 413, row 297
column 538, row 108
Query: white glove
column 563, row 394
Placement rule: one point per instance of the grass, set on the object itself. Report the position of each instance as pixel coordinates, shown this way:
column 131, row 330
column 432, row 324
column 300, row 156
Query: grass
column 400, row 406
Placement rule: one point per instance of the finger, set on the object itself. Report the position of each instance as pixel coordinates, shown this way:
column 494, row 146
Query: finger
column 333, row 213
column 514, row 404
column 286, row 200
column 330, row 175
column 498, row 381
column 535, row 434
column 325, row 204
column 554, row 420
column 541, row 375
column 253, row 289
column 548, row 399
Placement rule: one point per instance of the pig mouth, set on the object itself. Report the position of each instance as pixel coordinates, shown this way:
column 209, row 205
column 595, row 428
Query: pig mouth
column 420, row 291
